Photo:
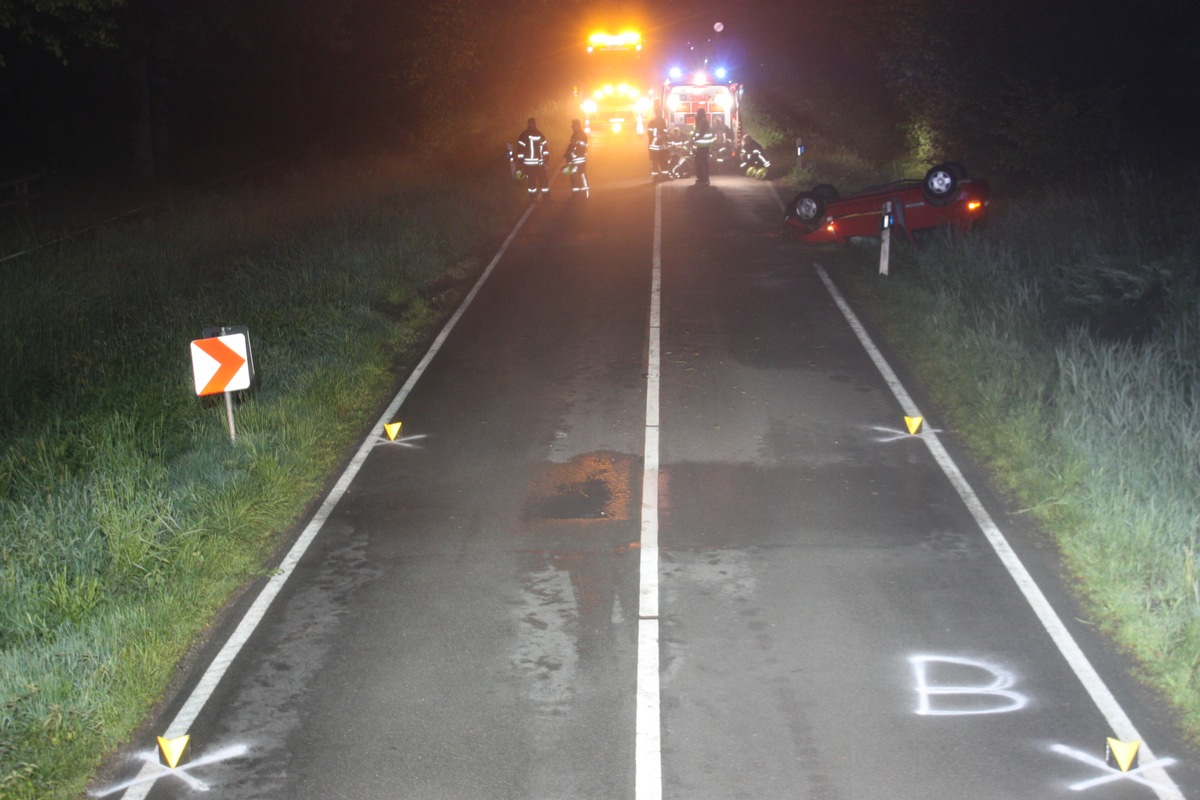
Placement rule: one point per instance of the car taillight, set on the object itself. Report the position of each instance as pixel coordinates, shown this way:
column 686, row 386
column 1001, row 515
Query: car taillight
column 829, row 227
column 974, row 205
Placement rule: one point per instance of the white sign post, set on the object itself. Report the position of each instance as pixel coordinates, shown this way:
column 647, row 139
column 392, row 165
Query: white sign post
column 885, row 238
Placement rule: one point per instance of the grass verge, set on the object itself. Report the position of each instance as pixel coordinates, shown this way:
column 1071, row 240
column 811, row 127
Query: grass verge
column 1063, row 345
column 127, row 517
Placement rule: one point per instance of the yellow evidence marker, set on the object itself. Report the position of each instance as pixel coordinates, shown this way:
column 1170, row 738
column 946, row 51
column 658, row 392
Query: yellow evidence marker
column 173, row 752
column 392, row 429
column 1123, row 753
column 914, row 424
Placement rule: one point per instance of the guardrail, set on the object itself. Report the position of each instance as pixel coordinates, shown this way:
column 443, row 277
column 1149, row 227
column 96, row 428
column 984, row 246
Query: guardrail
column 19, row 191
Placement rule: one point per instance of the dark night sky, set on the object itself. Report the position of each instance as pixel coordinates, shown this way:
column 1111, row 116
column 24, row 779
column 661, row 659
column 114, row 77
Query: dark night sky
column 227, row 71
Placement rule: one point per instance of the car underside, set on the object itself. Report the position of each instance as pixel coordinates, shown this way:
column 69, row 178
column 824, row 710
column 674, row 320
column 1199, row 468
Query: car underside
column 945, row 198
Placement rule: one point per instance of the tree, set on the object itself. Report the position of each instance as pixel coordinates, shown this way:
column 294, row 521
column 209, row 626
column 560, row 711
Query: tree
column 57, row 24
column 1040, row 87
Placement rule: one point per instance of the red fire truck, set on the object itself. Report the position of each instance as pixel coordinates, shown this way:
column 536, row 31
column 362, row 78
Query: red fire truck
column 616, row 92
column 684, row 95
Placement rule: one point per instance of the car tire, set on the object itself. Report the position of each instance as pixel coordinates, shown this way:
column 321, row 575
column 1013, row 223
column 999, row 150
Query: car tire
column 808, row 208
column 826, row 192
column 941, row 183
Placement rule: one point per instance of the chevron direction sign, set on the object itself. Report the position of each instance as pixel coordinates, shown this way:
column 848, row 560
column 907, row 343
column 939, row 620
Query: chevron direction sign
column 221, row 363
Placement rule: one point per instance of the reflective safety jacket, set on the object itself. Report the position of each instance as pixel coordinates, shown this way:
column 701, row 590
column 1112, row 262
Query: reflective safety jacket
column 656, row 133
column 752, row 153
column 532, row 148
column 703, row 138
column 577, row 149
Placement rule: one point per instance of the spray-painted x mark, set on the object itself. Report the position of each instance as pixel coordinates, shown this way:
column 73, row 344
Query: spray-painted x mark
column 180, row 772
column 403, row 441
column 893, row 435
column 1113, row 774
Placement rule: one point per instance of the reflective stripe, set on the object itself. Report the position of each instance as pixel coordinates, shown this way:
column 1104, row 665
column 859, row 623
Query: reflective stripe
column 532, row 149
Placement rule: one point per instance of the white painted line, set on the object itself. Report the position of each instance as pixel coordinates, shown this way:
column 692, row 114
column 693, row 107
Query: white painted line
column 648, row 596
column 648, row 572
column 648, row 739
column 648, row 726
column 216, row 670
column 1122, row 727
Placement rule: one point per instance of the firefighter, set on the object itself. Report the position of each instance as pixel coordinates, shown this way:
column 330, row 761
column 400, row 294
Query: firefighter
column 679, row 155
column 530, row 156
column 724, row 147
column 754, row 160
column 702, row 139
column 576, row 160
column 656, row 137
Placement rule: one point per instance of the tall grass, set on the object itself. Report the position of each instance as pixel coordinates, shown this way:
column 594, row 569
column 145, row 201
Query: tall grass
column 1064, row 344
column 127, row 517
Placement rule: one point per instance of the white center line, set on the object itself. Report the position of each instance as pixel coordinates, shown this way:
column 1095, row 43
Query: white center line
column 648, row 734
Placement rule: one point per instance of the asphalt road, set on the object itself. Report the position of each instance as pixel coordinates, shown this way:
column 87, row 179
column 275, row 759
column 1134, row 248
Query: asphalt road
column 470, row 621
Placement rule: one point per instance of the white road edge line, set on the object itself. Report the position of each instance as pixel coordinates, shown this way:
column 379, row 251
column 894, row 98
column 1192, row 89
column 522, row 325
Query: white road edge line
column 192, row 707
column 1122, row 727
column 648, row 726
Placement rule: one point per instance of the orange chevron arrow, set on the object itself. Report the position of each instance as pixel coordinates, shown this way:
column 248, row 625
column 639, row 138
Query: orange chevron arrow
column 230, row 362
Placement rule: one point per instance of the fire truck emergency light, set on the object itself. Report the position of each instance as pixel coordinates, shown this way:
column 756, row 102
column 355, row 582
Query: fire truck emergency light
column 627, row 40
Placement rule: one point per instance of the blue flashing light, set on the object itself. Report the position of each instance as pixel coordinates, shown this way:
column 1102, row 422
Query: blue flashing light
column 675, row 73
column 721, row 73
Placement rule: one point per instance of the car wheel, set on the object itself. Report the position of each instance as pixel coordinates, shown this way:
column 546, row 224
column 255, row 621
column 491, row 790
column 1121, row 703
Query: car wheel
column 826, row 192
column 808, row 207
column 940, row 184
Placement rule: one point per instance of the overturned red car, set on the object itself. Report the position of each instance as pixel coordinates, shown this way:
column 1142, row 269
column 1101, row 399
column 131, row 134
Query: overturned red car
column 945, row 198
